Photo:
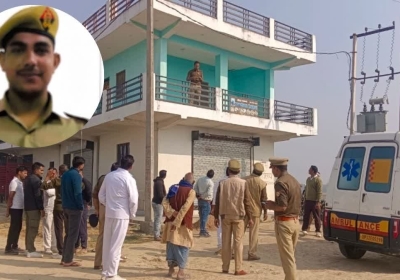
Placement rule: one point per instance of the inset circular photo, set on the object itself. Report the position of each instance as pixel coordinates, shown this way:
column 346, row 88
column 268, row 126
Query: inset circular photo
column 52, row 76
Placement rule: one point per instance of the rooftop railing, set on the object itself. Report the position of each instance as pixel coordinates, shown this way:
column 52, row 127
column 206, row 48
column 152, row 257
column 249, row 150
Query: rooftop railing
column 232, row 14
column 293, row 113
column 129, row 92
column 205, row 7
column 246, row 19
column 245, row 104
column 181, row 92
column 292, row 36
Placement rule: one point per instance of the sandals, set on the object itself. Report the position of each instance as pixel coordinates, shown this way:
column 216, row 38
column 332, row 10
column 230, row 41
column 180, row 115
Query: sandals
column 74, row 264
column 184, row 277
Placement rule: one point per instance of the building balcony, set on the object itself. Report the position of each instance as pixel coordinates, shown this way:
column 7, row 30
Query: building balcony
column 176, row 100
column 211, row 17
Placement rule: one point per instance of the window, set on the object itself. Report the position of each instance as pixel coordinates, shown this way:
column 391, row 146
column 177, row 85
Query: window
column 351, row 168
column 122, row 150
column 380, row 166
column 27, row 159
column 51, row 164
column 120, row 85
column 67, row 160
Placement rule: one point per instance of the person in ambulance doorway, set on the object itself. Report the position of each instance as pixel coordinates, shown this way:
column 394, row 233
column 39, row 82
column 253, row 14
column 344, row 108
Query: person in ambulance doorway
column 27, row 118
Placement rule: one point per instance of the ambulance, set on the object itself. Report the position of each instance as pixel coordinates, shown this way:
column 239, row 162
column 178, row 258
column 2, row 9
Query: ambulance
column 362, row 205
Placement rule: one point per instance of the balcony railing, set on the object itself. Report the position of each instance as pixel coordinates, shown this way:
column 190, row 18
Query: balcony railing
column 181, row 92
column 99, row 107
column 96, row 21
column 293, row 113
column 205, row 7
column 245, row 104
column 129, row 92
column 246, row 19
column 292, row 36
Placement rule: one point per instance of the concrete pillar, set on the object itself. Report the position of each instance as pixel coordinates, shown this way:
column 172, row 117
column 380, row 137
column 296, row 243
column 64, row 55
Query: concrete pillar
column 220, row 10
column 272, row 28
column 221, row 71
column 160, row 64
column 269, row 91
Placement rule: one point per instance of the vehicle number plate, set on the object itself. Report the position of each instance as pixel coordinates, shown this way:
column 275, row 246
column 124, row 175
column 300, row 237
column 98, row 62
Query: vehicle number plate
column 371, row 238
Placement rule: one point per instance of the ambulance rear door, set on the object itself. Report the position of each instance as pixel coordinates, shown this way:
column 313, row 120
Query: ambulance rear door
column 373, row 224
column 347, row 193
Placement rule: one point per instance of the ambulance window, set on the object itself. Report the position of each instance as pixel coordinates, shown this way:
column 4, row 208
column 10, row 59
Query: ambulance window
column 380, row 166
column 351, row 168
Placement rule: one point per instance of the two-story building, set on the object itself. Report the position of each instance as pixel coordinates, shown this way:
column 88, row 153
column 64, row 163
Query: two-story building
column 238, row 113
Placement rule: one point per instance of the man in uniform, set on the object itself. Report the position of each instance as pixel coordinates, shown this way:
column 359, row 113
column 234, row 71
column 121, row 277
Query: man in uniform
column 29, row 60
column 286, row 206
column 257, row 189
column 232, row 205
column 195, row 77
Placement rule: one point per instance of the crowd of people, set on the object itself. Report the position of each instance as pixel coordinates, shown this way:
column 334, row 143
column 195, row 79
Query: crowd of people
column 62, row 200
column 237, row 204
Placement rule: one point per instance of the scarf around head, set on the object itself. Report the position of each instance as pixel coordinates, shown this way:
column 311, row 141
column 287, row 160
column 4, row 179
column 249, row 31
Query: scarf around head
column 174, row 188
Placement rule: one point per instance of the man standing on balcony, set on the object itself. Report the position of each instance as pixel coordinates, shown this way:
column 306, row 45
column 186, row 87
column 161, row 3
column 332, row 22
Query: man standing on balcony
column 159, row 193
column 195, row 77
column 204, row 193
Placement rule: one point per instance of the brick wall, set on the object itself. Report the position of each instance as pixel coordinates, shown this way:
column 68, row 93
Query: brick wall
column 215, row 154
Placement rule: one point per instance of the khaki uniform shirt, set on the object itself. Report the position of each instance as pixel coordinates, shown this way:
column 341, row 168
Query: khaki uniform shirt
column 257, row 189
column 232, row 199
column 195, row 77
column 50, row 129
column 288, row 194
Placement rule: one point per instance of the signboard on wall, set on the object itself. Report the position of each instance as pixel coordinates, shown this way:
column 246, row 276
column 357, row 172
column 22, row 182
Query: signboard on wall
column 243, row 106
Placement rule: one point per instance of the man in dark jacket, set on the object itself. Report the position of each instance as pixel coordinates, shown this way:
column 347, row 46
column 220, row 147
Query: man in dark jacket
column 87, row 198
column 33, row 206
column 159, row 193
column 72, row 202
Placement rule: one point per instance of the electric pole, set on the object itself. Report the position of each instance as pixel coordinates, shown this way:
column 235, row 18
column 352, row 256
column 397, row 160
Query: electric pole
column 353, row 86
column 148, row 211
column 354, row 79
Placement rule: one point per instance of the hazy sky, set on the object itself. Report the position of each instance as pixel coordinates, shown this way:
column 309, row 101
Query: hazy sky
column 322, row 85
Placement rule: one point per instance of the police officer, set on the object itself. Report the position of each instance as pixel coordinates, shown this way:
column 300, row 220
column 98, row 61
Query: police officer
column 29, row 60
column 195, row 77
column 287, row 209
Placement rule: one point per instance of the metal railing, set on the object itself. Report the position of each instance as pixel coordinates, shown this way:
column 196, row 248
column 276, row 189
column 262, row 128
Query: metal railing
column 181, row 92
column 129, row 92
column 96, row 21
column 292, row 36
column 293, row 113
column 117, row 7
column 205, row 7
column 245, row 104
column 99, row 107
column 246, row 19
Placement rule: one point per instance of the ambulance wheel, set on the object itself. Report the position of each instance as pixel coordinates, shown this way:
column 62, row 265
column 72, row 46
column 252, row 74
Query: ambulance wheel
column 351, row 252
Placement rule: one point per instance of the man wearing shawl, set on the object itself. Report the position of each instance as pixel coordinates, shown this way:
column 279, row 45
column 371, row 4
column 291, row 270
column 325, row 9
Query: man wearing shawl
column 178, row 231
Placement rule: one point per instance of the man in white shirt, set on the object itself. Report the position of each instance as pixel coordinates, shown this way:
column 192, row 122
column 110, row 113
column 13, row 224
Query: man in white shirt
column 204, row 193
column 49, row 196
column 219, row 229
column 15, row 209
column 120, row 196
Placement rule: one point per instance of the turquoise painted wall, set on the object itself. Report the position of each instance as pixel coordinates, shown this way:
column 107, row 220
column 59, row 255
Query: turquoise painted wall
column 133, row 61
column 250, row 81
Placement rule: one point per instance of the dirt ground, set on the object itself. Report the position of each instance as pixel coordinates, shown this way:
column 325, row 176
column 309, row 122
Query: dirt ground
column 316, row 259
